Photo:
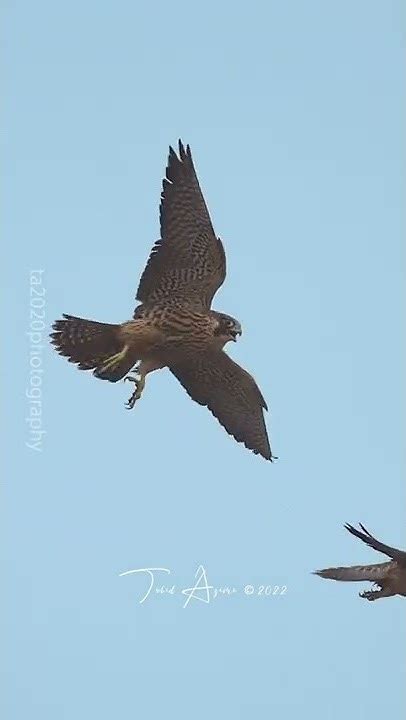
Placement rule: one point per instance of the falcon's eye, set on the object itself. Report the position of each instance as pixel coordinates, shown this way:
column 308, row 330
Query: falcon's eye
column 230, row 323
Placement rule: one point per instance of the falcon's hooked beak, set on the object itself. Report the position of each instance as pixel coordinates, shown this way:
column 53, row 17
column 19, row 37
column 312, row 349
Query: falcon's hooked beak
column 235, row 331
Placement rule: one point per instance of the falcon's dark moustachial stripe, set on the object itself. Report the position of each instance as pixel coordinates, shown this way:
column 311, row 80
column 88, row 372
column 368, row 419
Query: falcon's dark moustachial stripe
column 174, row 326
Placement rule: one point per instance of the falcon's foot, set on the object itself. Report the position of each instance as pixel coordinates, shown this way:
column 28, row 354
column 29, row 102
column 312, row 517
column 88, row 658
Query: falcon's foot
column 372, row 594
column 139, row 386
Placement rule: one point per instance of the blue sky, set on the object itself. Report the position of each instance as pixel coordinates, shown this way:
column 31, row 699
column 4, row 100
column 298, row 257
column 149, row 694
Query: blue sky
column 295, row 113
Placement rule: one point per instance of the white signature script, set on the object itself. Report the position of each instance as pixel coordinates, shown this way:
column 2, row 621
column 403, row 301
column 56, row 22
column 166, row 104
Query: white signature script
column 201, row 590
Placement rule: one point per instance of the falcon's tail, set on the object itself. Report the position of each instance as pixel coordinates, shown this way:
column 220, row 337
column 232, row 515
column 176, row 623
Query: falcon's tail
column 93, row 346
column 355, row 573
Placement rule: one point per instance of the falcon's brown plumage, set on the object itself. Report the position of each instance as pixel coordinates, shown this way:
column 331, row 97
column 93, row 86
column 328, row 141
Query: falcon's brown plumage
column 389, row 577
column 174, row 326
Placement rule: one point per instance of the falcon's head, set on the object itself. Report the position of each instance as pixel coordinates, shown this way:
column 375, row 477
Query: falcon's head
column 227, row 328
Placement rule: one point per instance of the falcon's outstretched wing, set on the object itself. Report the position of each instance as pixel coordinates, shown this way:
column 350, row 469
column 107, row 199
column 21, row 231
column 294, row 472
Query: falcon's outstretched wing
column 189, row 260
column 366, row 537
column 356, row 573
column 232, row 395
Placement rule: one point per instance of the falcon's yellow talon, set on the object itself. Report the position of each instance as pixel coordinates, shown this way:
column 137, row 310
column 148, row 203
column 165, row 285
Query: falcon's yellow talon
column 114, row 359
column 139, row 386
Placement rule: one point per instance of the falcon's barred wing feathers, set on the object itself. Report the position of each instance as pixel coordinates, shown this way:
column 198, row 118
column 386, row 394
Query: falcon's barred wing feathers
column 231, row 394
column 354, row 573
column 189, row 260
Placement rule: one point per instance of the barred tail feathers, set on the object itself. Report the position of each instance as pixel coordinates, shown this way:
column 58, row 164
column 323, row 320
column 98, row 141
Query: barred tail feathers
column 93, row 346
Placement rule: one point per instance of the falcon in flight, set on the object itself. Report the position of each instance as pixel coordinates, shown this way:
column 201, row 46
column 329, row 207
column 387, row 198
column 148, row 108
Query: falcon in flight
column 174, row 326
column 388, row 577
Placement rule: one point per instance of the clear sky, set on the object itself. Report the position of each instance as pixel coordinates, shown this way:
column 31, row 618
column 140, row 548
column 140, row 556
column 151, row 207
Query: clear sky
column 295, row 112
